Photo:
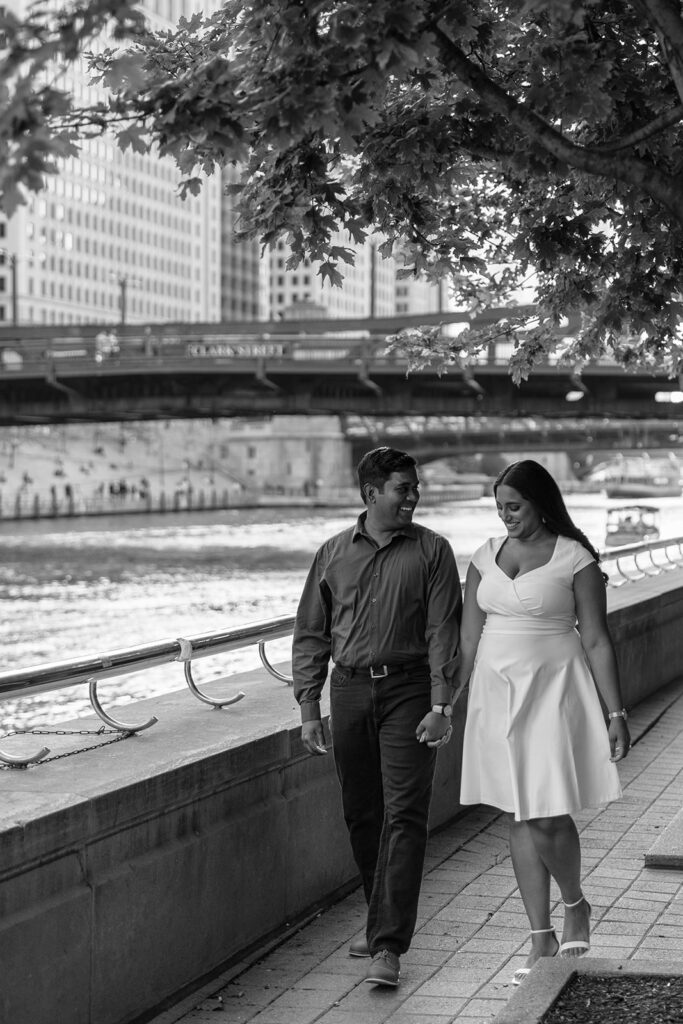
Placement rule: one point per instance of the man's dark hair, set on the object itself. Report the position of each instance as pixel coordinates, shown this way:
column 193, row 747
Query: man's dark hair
column 377, row 466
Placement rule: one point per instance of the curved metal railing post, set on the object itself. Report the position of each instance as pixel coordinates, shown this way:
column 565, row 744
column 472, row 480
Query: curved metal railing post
column 119, row 726
column 13, row 761
column 655, row 571
column 669, row 565
column 185, row 655
column 270, row 668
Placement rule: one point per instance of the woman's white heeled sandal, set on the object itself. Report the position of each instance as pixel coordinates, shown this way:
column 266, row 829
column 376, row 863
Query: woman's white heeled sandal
column 521, row 972
column 582, row 945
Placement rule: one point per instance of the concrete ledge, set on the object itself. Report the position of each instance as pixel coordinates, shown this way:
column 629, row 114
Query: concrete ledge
column 667, row 851
column 132, row 871
column 644, row 619
column 551, row 975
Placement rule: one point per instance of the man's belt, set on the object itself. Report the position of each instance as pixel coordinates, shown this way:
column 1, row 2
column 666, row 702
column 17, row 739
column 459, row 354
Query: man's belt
column 380, row 671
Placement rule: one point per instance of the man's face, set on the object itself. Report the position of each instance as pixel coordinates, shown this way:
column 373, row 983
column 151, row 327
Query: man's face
column 392, row 508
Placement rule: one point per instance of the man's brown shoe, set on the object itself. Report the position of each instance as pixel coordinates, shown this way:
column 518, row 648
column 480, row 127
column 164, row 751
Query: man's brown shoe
column 359, row 947
column 385, row 969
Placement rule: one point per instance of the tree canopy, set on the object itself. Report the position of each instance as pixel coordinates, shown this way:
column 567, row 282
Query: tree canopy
column 495, row 143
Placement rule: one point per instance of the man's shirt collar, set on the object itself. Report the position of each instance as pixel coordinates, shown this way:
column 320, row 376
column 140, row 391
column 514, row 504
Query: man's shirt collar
column 361, row 531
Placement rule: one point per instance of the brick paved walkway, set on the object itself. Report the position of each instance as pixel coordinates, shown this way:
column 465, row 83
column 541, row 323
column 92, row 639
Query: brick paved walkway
column 472, row 930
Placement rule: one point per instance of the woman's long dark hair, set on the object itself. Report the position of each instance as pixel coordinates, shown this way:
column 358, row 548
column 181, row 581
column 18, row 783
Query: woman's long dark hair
column 534, row 482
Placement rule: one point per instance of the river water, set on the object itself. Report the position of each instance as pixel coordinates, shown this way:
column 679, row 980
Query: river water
column 83, row 586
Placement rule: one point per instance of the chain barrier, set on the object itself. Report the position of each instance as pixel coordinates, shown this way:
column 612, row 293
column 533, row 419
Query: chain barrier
column 102, row 731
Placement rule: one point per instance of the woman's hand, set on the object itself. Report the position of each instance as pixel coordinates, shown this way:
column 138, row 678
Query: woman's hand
column 619, row 739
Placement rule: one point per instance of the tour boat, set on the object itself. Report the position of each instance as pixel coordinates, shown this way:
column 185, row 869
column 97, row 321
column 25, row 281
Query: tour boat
column 642, row 477
column 629, row 524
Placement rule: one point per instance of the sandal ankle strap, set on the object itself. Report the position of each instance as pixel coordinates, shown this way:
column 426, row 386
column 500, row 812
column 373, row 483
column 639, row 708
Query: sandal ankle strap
column 540, row 931
column 570, row 905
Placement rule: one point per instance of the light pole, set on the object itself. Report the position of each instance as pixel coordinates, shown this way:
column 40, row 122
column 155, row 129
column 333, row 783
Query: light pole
column 373, row 279
column 123, row 285
column 443, row 305
column 15, row 297
column 123, row 281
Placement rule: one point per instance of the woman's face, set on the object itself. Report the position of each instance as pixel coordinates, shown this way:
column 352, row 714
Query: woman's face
column 519, row 515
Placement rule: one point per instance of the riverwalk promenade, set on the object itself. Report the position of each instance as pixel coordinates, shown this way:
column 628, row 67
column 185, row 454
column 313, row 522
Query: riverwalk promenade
column 472, row 930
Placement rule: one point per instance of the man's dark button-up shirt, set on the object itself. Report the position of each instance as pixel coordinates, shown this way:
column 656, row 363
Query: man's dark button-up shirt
column 367, row 605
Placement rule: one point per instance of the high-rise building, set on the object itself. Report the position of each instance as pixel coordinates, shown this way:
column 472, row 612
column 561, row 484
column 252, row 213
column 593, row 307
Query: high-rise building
column 110, row 240
column 368, row 288
column 244, row 276
column 371, row 287
column 416, row 295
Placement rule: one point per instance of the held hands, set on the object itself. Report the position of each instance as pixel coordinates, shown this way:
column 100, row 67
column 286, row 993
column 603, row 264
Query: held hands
column 313, row 737
column 434, row 730
column 619, row 739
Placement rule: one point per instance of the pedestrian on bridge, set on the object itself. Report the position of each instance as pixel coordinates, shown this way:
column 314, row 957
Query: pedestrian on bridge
column 382, row 601
column 535, row 643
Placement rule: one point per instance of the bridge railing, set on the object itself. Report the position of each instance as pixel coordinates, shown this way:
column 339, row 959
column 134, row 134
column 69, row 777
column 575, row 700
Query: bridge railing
column 110, row 356
column 107, row 354
column 628, row 563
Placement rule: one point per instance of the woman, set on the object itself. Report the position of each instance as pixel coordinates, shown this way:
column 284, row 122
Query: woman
column 535, row 741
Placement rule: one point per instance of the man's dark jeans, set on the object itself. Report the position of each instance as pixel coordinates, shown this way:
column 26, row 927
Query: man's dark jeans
column 386, row 779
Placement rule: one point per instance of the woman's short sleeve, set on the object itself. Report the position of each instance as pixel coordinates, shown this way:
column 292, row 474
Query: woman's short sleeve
column 483, row 555
column 581, row 557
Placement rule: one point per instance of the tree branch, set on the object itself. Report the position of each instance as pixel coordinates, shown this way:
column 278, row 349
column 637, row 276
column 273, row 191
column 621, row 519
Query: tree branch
column 632, row 171
column 659, row 124
column 665, row 18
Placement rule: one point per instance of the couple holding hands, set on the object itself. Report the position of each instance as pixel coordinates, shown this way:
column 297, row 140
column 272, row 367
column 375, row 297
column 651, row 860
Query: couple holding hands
column 383, row 603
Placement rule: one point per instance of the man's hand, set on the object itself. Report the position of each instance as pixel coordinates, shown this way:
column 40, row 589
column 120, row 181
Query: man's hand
column 313, row 737
column 434, row 730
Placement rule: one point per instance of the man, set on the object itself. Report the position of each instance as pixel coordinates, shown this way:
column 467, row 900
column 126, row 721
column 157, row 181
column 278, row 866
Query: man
column 383, row 601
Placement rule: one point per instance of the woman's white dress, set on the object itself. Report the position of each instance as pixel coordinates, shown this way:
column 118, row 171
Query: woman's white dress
column 535, row 739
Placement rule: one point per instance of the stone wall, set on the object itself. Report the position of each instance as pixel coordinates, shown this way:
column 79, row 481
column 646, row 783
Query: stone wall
column 129, row 873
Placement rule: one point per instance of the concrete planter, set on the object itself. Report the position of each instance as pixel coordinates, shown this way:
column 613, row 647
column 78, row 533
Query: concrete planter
column 550, row 977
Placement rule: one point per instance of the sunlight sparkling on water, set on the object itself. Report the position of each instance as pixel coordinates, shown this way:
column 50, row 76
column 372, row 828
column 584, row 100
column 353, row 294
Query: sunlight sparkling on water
column 72, row 587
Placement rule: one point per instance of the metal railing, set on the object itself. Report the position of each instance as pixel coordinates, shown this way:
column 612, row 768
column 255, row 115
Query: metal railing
column 628, row 559
column 90, row 669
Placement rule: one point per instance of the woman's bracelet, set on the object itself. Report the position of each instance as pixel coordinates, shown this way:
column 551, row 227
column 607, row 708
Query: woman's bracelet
column 619, row 714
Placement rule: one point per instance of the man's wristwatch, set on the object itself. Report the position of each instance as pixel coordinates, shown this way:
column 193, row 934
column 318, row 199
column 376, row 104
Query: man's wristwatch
column 442, row 709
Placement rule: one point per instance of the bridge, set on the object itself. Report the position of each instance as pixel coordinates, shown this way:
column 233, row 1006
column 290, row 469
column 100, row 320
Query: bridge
column 438, row 437
column 163, row 371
